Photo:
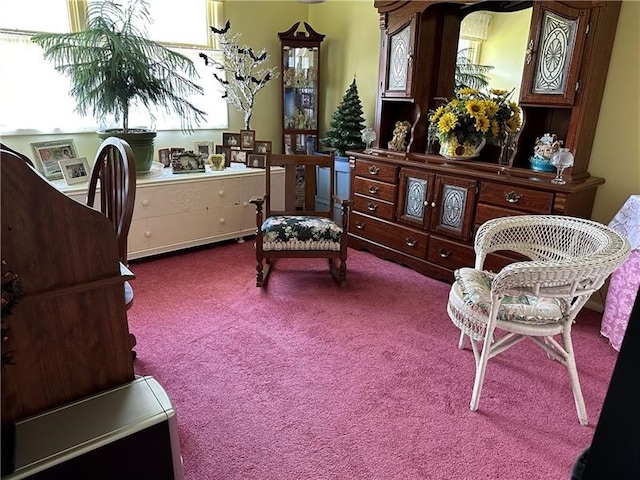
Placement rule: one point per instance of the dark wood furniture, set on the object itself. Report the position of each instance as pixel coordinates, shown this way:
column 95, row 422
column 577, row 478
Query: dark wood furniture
column 301, row 204
column 67, row 334
column 300, row 82
column 422, row 210
column 114, row 172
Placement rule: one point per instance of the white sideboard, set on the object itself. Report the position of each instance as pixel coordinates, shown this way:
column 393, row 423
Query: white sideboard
column 175, row 211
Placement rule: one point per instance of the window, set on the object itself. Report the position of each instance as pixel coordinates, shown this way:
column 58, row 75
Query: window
column 34, row 97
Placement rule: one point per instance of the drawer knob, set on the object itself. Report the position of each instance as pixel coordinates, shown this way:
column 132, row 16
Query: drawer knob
column 360, row 225
column 373, row 189
column 145, row 203
column 245, row 204
column 223, row 221
column 373, row 170
column 147, row 233
column 444, row 253
column 411, row 242
column 371, row 206
column 433, row 204
column 221, row 193
column 512, row 197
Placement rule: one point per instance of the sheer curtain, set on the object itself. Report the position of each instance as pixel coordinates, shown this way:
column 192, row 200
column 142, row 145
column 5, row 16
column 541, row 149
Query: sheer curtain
column 34, row 96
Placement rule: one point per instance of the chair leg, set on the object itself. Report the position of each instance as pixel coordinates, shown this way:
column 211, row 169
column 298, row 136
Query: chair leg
column 573, row 377
column 481, row 367
column 461, row 340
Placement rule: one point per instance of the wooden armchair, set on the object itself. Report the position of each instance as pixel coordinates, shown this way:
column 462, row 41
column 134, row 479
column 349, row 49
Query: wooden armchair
column 304, row 229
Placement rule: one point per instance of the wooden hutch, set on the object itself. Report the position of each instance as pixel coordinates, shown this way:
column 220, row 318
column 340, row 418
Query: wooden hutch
column 422, row 210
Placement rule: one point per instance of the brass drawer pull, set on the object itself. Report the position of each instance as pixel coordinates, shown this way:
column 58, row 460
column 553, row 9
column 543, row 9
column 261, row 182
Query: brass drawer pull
column 371, row 206
column 410, row 242
column 360, row 225
column 373, row 170
column 444, row 253
column 373, row 189
column 512, row 197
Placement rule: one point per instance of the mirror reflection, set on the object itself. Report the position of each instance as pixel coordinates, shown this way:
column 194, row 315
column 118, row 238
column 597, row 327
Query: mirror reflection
column 497, row 40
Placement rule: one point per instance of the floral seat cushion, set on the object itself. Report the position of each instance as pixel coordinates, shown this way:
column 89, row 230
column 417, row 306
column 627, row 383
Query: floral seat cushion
column 518, row 306
column 300, row 233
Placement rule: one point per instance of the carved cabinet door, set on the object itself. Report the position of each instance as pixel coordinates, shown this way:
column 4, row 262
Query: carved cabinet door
column 554, row 53
column 416, row 193
column 453, row 206
column 400, row 52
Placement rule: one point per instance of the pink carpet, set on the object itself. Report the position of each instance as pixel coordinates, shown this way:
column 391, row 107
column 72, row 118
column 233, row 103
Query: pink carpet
column 305, row 380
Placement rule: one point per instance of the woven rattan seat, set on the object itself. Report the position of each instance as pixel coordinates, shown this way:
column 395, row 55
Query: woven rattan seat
column 570, row 258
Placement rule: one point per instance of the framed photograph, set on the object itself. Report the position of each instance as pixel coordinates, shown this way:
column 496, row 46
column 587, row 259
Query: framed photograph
column 262, row 146
column 231, row 140
column 164, row 157
column 48, row 154
column 257, row 160
column 75, row 170
column 216, row 160
column 187, row 162
column 226, row 151
column 247, row 139
column 205, row 148
column 238, row 156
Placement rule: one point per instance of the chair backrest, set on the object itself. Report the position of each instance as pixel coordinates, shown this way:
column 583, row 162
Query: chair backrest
column 114, row 167
column 570, row 256
column 301, row 175
column 4, row 149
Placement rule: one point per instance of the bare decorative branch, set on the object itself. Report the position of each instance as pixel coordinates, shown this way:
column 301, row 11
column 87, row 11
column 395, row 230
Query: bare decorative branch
column 244, row 74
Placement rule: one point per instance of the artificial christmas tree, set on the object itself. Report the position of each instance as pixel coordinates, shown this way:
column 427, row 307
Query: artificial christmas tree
column 346, row 124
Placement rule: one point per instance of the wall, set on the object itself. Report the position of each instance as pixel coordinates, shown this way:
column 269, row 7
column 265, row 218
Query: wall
column 352, row 46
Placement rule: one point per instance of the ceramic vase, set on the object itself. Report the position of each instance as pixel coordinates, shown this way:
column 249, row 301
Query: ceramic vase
column 454, row 150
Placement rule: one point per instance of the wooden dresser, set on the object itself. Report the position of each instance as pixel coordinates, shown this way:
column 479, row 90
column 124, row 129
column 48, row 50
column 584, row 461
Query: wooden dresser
column 176, row 211
column 417, row 208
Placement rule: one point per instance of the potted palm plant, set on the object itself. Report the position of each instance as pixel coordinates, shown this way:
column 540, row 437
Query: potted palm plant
column 112, row 66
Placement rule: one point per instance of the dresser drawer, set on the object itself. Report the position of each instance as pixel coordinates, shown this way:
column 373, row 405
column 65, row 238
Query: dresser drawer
column 516, row 198
column 375, row 189
column 399, row 238
column 488, row 212
column 373, row 206
column 450, row 254
column 375, row 170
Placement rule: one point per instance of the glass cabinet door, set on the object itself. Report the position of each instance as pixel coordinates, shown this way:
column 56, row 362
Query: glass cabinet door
column 554, row 51
column 453, row 203
column 300, row 96
column 414, row 205
column 400, row 59
column 300, row 89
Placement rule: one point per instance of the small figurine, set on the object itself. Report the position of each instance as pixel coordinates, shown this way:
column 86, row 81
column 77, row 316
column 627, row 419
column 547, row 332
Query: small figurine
column 546, row 146
column 399, row 140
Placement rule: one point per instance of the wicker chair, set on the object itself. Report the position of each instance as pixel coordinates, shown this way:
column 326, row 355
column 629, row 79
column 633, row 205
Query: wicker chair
column 537, row 299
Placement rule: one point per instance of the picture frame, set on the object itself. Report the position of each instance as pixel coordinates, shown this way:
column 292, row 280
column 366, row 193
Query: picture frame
column 187, row 162
column 231, row 140
column 205, row 148
column 164, row 157
column 262, row 146
column 257, row 160
column 48, row 154
column 75, row 170
column 239, row 156
column 226, row 151
column 217, row 161
column 247, row 139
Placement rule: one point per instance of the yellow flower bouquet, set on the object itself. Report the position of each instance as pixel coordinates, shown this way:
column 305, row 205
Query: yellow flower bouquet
column 472, row 117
